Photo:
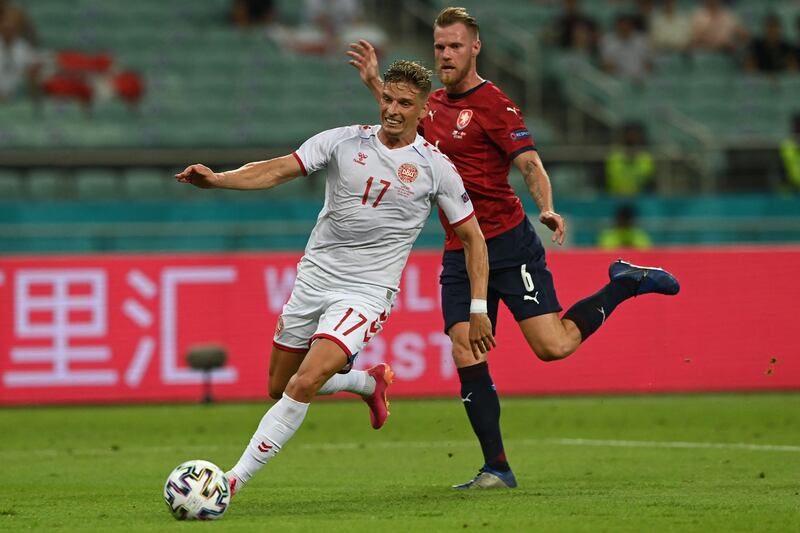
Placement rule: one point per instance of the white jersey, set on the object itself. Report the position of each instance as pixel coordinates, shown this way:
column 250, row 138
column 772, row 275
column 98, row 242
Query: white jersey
column 376, row 202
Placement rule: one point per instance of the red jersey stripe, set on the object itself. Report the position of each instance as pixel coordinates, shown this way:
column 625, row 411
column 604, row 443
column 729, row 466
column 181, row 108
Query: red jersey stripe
column 302, row 166
column 331, row 338
column 288, row 348
column 457, row 224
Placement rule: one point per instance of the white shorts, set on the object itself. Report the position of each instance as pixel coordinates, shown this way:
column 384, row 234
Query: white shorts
column 343, row 316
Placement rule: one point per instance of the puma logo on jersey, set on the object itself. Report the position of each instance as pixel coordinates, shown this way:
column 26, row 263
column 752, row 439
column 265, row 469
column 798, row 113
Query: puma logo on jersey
column 513, row 110
column 602, row 312
column 535, row 297
column 431, row 112
column 467, row 398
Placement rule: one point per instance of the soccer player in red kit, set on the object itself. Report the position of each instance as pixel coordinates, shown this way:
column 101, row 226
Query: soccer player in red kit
column 482, row 131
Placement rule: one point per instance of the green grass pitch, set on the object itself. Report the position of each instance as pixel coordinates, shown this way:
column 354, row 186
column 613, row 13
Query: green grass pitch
column 627, row 463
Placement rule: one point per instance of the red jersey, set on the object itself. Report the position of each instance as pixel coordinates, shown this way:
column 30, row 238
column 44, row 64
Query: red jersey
column 481, row 131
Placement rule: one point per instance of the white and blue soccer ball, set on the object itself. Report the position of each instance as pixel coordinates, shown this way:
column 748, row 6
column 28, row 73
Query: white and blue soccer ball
column 197, row 490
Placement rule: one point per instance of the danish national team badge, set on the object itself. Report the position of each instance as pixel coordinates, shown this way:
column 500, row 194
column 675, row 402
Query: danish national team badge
column 407, row 172
column 463, row 119
column 279, row 327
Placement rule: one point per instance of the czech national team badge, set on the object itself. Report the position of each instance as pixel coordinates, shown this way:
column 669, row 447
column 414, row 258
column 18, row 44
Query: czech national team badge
column 279, row 326
column 463, row 119
column 407, row 172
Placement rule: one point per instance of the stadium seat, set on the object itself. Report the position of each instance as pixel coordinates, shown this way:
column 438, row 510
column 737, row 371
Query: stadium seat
column 670, row 63
column 712, row 63
column 145, row 183
column 11, row 185
column 93, row 184
column 49, row 185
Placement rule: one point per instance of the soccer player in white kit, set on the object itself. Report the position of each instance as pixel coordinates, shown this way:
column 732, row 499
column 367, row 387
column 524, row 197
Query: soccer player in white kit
column 382, row 184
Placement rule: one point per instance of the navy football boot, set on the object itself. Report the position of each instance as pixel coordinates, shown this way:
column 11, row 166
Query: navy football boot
column 489, row 478
column 648, row 279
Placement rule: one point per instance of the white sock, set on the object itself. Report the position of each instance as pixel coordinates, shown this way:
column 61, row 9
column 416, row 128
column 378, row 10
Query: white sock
column 276, row 428
column 355, row 381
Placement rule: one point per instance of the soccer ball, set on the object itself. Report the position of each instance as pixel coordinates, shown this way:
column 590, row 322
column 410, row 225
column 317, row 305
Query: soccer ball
column 197, row 490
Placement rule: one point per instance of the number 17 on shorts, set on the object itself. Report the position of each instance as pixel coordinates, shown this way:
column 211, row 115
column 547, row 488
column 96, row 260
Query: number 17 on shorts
column 350, row 320
column 351, row 324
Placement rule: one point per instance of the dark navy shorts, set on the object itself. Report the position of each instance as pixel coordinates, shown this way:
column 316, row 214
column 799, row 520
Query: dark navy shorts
column 518, row 276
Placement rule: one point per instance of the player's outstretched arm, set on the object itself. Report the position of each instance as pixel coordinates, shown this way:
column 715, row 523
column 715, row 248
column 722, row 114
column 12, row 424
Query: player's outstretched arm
column 476, row 256
column 256, row 175
column 363, row 57
column 538, row 182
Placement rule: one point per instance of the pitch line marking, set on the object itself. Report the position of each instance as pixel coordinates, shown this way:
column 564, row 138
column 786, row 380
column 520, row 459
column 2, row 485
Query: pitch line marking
column 566, row 442
column 676, row 444
column 345, row 446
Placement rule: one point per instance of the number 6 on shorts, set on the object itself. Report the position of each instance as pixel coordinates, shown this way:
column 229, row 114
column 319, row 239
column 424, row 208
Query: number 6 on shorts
column 527, row 280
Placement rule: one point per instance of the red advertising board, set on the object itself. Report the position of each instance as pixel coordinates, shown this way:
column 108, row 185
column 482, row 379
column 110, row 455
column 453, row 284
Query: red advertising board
column 111, row 328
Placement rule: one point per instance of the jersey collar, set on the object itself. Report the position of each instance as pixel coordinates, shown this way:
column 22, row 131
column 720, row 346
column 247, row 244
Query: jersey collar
column 373, row 132
column 467, row 93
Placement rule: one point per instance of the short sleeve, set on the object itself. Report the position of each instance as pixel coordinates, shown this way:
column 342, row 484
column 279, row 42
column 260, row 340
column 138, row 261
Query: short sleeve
column 316, row 152
column 506, row 127
column 451, row 195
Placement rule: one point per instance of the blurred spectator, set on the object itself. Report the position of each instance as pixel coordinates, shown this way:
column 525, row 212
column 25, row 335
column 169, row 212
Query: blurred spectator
column 790, row 154
column 625, row 52
column 20, row 65
column 716, row 28
column 331, row 24
column 630, row 168
column 670, row 28
column 624, row 233
column 771, row 53
column 333, row 16
column 18, row 20
column 642, row 15
column 250, row 13
column 576, row 30
column 88, row 77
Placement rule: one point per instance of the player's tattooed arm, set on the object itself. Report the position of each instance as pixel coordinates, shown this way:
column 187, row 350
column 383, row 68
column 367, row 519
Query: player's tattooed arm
column 255, row 175
column 363, row 57
column 538, row 182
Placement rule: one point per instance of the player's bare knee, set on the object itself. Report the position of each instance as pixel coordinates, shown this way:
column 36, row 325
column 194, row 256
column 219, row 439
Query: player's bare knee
column 276, row 390
column 462, row 355
column 553, row 350
column 304, row 385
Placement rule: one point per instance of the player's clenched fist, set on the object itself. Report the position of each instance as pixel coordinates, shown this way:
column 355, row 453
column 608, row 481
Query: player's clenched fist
column 199, row 176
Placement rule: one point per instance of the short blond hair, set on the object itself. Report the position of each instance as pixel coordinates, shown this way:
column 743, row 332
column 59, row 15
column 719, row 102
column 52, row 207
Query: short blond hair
column 403, row 71
column 453, row 15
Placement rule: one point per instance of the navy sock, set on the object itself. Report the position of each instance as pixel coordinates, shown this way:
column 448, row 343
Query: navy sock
column 590, row 313
column 483, row 409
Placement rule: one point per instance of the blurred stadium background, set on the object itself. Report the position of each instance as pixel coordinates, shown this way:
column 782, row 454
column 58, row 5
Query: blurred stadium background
column 694, row 151
column 82, row 176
